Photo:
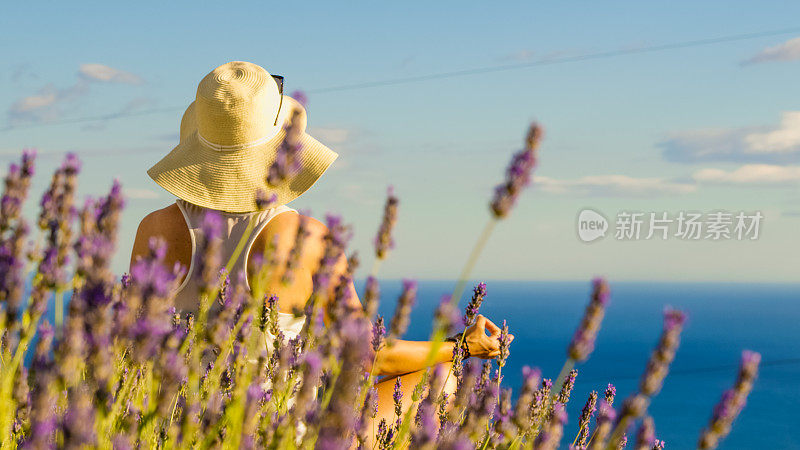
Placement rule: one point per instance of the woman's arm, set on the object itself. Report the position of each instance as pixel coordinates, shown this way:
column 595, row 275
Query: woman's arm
column 405, row 356
column 410, row 356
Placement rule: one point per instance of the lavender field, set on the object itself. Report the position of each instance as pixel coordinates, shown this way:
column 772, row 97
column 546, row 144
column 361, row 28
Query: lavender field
column 122, row 368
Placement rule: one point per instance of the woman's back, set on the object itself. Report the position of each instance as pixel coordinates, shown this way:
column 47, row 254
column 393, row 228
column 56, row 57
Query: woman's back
column 179, row 225
column 233, row 229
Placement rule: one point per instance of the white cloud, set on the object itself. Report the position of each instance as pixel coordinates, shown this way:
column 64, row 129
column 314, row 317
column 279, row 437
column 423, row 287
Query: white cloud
column 613, row 186
column 783, row 139
column 103, row 73
column 751, row 174
column 330, row 136
column 140, row 194
column 787, row 51
column 780, row 143
column 48, row 102
column 45, row 104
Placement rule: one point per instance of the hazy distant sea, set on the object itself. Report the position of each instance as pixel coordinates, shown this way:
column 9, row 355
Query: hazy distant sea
column 723, row 319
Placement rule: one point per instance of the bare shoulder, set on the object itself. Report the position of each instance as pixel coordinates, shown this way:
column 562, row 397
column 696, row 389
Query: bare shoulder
column 162, row 219
column 167, row 223
column 282, row 230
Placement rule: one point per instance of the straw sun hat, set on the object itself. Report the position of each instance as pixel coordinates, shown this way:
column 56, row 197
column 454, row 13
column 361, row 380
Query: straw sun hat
column 229, row 139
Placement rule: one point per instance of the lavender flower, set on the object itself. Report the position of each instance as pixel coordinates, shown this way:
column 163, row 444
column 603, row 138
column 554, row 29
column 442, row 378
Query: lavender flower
column 566, row 389
column 340, row 418
column 446, row 315
column 550, row 436
column 378, row 332
column 293, row 260
column 656, row 371
column 397, row 398
column 383, row 240
column 209, row 250
column 605, row 421
column 610, row 393
column 17, row 183
column 664, row 353
column 646, row 436
column 371, row 296
column 586, row 416
column 583, row 341
column 287, row 158
column 530, row 381
column 732, row 402
column 503, row 425
column 336, row 238
column 478, row 293
column 265, row 200
column 424, row 434
column 541, row 403
column 517, row 175
column 300, row 96
column 505, row 340
column 400, row 318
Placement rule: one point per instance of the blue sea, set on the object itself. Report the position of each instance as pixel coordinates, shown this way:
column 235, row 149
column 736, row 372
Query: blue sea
column 723, row 319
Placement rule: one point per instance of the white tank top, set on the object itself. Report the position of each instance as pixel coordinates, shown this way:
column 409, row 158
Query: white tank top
column 234, row 226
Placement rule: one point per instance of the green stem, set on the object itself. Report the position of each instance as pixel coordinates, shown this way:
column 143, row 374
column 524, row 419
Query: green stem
column 375, row 266
column 473, row 258
column 455, row 297
column 565, row 369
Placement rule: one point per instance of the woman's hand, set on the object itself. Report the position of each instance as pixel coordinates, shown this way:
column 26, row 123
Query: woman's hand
column 480, row 345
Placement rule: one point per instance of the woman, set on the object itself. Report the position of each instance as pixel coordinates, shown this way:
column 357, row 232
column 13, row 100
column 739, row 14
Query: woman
column 231, row 137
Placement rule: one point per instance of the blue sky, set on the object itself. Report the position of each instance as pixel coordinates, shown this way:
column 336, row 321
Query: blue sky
column 702, row 128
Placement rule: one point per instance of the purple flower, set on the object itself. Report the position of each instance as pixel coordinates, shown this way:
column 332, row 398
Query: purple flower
column 17, row 183
column 478, row 293
column 446, row 315
column 583, row 341
column 341, row 416
column 372, row 295
column 378, row 332
column 400, row 318
column 383, row 240
column 566, row 388
column 646, row 436
column 552, row 431
column 517, row 174
column 265, row 200
column 586, row 416
column 287, row 157
column 300, row 96
column 610, row 393
column 732, row 402
column 209, row 260
column 505, row 341
column 294, row 259
column 397, row 398
column 427, row 427
column 530, row 381
column 664, row 352
column 605, row 420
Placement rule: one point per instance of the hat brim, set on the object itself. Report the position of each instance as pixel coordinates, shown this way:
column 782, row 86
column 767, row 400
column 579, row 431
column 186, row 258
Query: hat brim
column 229, row 180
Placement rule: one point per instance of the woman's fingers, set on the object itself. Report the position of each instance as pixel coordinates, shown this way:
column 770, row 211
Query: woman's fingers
column 480, row 322
column 493, row 329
